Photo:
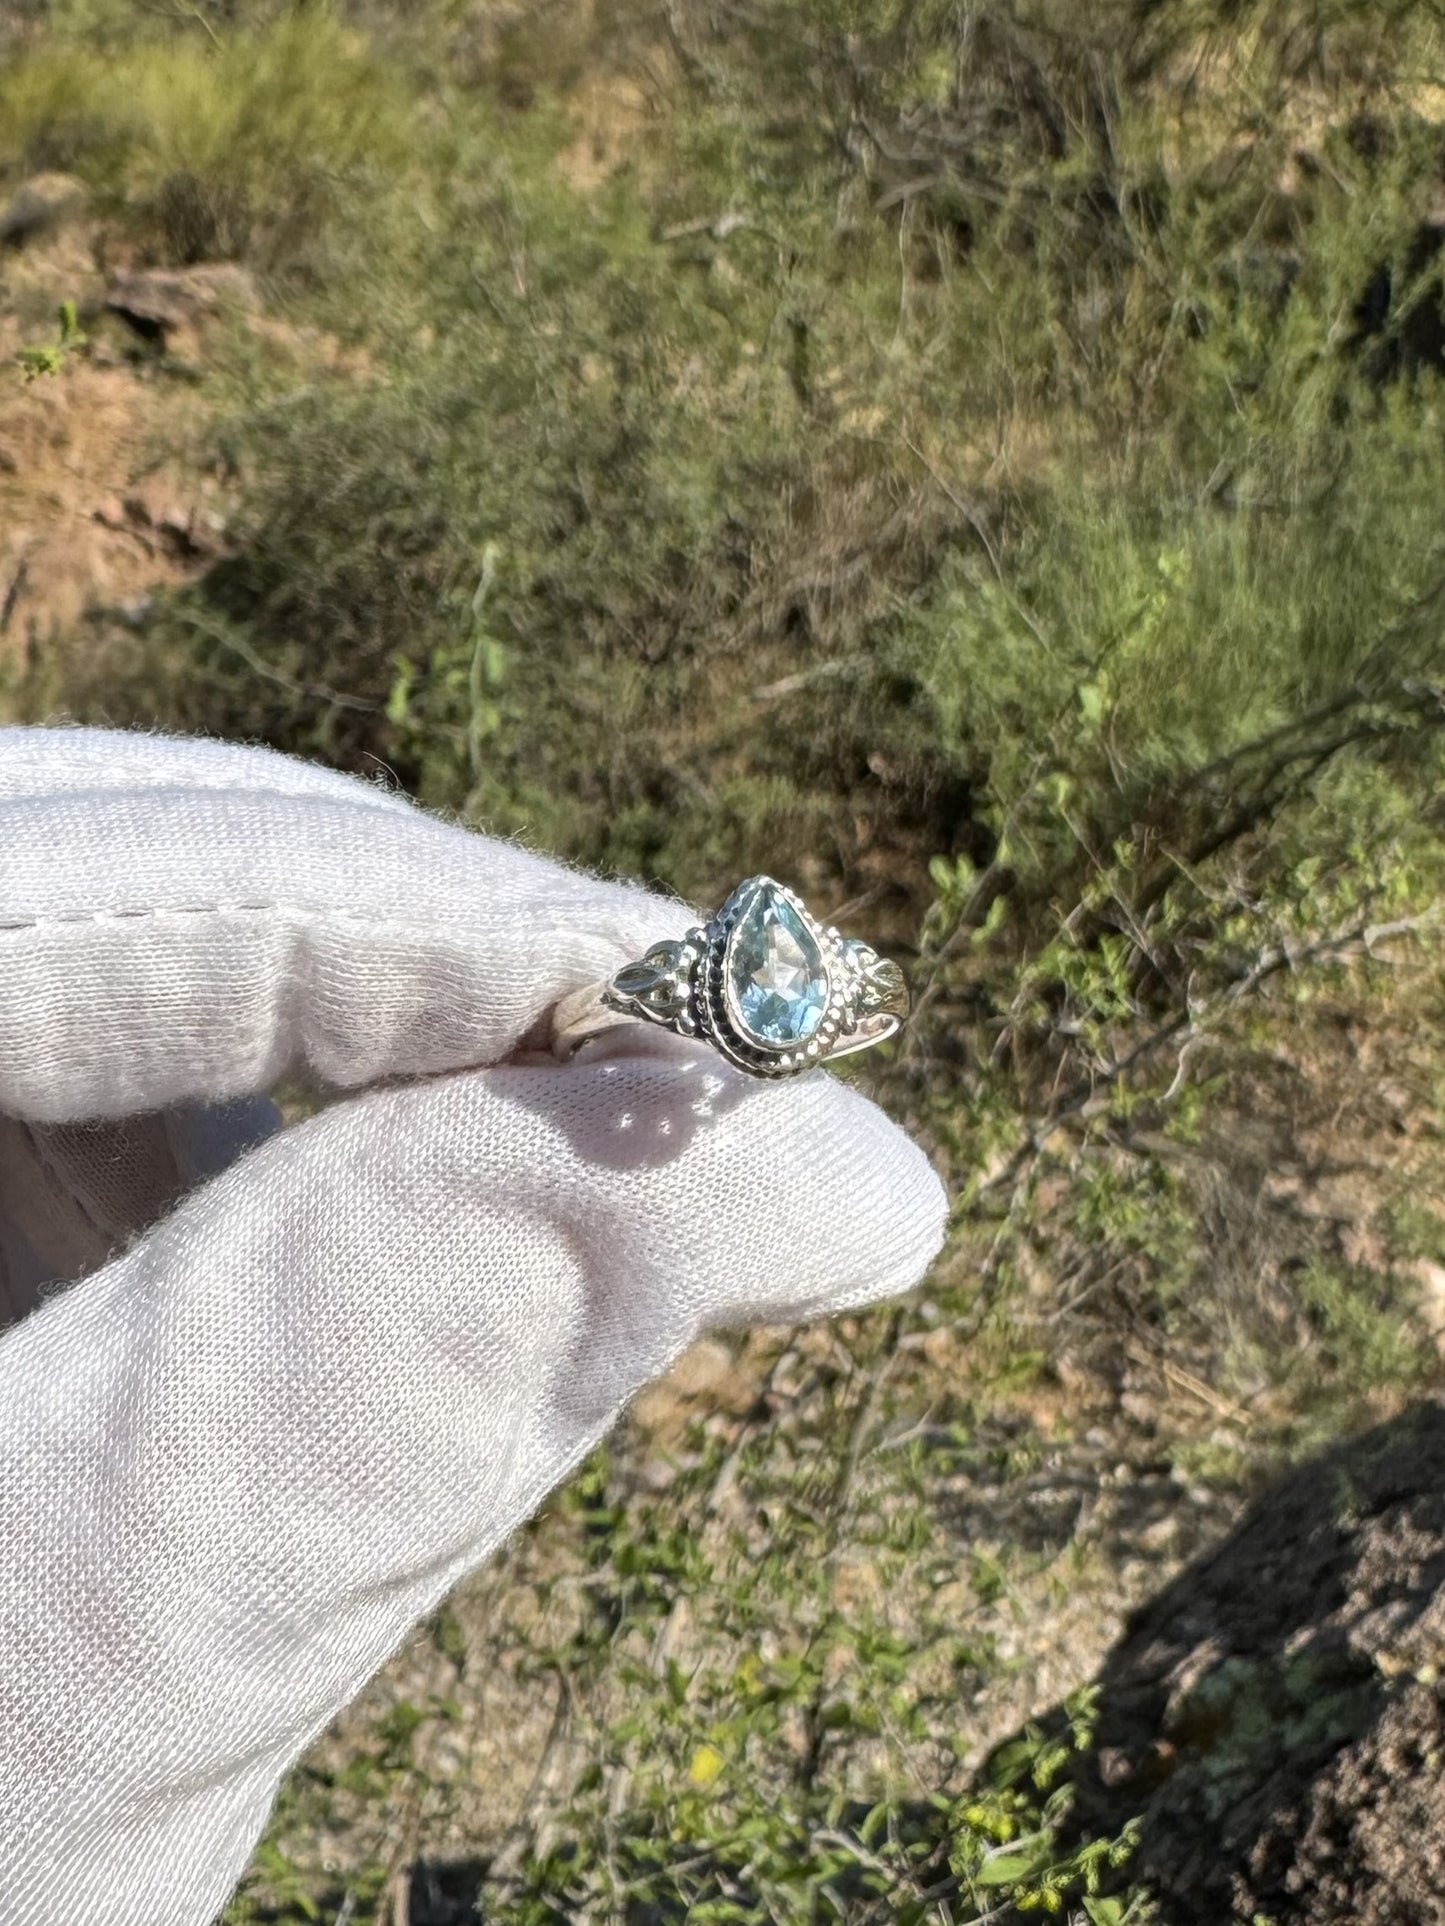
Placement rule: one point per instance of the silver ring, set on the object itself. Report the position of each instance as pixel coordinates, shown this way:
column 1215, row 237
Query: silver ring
column 774, row 991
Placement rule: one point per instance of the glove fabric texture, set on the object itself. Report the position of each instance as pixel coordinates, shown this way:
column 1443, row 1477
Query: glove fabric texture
column 312, row 1376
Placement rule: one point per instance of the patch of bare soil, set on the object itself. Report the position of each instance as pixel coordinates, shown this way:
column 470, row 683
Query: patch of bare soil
column 610, row 114
column 88, row 518
column 98, row 505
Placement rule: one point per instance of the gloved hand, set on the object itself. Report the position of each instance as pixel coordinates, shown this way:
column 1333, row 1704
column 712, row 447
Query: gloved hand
column 314, row 1375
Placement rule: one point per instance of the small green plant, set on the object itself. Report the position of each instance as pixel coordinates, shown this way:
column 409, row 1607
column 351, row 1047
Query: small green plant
column 1004, row 1835
column 50, row 357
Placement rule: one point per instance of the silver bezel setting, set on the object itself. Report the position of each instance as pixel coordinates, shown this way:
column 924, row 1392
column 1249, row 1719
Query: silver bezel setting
column 722, row 1023
column 686, row 986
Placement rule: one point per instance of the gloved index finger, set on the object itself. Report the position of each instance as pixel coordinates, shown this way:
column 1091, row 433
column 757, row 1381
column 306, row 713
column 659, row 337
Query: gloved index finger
column 163, row 940
column 68, row 758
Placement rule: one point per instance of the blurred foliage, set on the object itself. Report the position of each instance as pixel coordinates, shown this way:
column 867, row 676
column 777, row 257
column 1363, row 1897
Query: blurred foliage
column 255, row 141
column 983, row 463
column 920, row 410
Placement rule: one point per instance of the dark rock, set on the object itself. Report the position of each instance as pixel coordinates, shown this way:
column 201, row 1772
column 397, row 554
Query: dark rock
column 445, row 1893
column 1399, row 317
column 1275, row 1718
column 38, row 205
column 160, row 301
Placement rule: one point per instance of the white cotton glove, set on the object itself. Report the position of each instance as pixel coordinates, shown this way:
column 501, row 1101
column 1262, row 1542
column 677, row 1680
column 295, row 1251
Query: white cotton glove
column 314, row 1376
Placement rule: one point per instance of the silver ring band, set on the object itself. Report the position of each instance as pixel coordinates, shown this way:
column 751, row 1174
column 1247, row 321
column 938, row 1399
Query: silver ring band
column 773, row 991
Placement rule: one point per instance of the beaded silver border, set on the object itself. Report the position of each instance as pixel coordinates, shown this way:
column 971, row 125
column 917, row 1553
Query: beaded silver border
column 685, row 986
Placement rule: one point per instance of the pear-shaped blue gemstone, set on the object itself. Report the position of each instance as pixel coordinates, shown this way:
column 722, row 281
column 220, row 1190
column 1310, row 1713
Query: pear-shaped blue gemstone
column 775, row 971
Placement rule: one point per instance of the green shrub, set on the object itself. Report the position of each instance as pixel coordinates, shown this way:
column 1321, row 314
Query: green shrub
column 214, row 146
column 1064, row 455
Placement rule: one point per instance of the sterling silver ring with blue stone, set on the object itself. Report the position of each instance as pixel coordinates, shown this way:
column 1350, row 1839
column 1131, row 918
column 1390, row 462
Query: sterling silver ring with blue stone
column 774, row 991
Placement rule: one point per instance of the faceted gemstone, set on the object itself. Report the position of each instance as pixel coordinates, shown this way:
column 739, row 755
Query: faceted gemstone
column 775, row 971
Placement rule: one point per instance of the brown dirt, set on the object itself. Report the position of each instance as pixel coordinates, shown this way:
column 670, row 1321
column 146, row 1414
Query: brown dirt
column 87, row 516
column 610, row 115
column 97, row 505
